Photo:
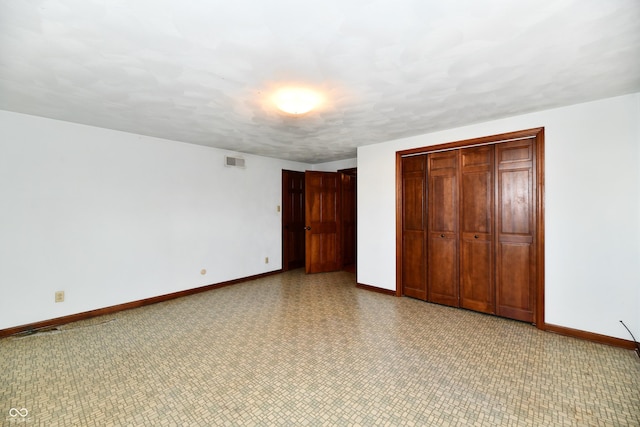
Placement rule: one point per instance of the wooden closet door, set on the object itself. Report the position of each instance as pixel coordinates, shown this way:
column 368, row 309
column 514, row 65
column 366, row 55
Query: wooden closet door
column 442, row 249
column 414, row 227
column 477, row 291
column 515, row 251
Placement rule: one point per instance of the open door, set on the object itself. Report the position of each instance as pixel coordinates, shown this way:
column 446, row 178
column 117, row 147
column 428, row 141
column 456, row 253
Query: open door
column 322, row 217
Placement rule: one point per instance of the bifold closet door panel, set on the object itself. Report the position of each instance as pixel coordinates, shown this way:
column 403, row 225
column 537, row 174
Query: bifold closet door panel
column 442, row 250
column 516, row 254
column 477, row 291
column 414, row 223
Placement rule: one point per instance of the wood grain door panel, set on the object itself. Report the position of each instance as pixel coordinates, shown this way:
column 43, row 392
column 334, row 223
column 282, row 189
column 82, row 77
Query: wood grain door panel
column 515, row 293
column 322, row 214
column 443, row 276
column 442, row 249
column 479, row 206
column 414, row 233
column 414, row 271
column 515, row 196
column 516, row 255
column 477, row 290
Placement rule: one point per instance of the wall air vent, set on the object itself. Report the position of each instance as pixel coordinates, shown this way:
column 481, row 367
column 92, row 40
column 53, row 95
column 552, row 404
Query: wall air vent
column 234, row 162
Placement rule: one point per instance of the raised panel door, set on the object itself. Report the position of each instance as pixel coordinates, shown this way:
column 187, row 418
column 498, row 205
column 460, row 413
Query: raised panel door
column 414, row 242
column 442, row 249
column 516, row 254
column 322, row 215
column 477, row 291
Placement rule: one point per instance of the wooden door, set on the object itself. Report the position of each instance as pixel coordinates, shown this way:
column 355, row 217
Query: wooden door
column 477, row 291
column 349, row 215
column 293, row 225
column 414, row 227
column 516, row 251
column 442, row 247
column 485, row 224
column 322, row 215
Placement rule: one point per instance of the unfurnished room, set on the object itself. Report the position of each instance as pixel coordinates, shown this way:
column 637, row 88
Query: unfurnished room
column 319, row 213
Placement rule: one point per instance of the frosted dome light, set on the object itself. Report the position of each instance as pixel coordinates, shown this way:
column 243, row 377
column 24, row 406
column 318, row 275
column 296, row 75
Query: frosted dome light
column 296, row 101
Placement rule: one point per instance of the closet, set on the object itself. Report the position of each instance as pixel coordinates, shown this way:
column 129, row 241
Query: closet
column 468, row 225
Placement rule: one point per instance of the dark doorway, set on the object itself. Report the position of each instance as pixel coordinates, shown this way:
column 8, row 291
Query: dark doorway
column 293, row 226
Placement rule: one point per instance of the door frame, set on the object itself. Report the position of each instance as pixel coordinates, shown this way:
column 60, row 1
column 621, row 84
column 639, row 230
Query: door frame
column 352, row 172
column 539, row 183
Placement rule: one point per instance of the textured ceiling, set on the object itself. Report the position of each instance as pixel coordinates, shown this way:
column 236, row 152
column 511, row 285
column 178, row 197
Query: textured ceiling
column 202, row 71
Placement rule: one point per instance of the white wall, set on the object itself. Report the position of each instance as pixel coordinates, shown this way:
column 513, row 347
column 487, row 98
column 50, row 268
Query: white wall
column 592, row 210
column 111, row 217
column 335, row 166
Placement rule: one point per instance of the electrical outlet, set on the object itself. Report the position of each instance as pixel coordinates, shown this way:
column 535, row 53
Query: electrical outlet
column 60, row 296
column 266, row 260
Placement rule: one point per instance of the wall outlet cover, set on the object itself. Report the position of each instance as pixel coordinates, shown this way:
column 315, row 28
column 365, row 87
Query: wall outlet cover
column 59, row 296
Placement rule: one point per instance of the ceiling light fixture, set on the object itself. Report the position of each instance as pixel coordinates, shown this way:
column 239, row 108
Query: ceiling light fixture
column 296, row 101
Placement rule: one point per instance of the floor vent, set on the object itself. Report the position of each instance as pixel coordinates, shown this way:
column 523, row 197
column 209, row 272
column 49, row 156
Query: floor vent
column 233, row 162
